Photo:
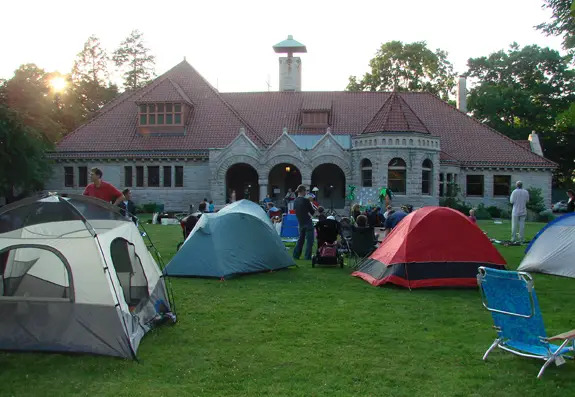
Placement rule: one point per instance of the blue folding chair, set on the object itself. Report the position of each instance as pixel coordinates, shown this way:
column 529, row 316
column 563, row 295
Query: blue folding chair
column 511, row 299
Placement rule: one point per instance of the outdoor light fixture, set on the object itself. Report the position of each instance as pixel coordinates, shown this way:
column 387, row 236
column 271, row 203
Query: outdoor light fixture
column 288, row 168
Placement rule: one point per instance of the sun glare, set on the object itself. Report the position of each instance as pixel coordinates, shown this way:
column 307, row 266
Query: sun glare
column 58, row 84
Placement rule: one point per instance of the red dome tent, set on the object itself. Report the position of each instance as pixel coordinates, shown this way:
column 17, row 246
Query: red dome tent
column 431, row 247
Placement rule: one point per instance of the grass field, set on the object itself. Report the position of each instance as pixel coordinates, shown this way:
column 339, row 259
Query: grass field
column 311, row 332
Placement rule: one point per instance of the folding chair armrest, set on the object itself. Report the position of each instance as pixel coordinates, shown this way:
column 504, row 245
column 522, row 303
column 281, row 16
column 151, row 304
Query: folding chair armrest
column 563, row 336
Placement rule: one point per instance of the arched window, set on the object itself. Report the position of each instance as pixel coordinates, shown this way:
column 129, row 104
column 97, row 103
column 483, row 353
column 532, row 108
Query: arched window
column 396, row 176
column 366, row 173
column 426, row 172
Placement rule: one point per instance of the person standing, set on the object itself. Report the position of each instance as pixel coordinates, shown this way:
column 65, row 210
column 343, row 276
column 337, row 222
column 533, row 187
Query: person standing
column 127, row 206
column 102, row 190
column 304, row 212
column 519, row 198
column 233, row 197
column 211, row 206
column 290, row 199
column 571, row 202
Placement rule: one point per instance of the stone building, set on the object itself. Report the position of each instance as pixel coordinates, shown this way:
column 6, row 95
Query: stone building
column 178, row 140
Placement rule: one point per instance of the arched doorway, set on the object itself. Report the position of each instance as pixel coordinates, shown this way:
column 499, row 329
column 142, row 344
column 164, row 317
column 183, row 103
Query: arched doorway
column 242, row 178
column 330, row 180
column 281, row 178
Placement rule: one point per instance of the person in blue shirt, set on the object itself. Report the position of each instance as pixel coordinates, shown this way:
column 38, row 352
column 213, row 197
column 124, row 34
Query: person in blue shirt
column 393, row 218
column 211, row 206
column 267, row 200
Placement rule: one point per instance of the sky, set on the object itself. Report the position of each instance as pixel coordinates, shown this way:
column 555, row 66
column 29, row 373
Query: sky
column 230, row 42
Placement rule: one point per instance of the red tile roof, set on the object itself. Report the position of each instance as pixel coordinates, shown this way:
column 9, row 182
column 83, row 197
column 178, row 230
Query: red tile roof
column 395, row 116
column 217, row 118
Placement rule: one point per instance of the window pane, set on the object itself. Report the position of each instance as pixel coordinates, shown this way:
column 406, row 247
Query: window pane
column 426, row 182
column 160, row 107
column 475, row 185
column 82, row 176
column 143, row 108
column 396, row 180
column 139, row 176
column 69, row 176
column 33, row 273
column 178, row 118
column 169, row 119
column 160, row 119
column 179, row 176
column 128, row 176
column 151, row 108
column 143, row 119
column 366, row 178
column 167, row 176
column 501, row 185
column 169, row 107
column 154, row 176
column 152, row 119
column 177, row 107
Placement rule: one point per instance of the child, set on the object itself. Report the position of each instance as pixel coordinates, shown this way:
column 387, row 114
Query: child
column 471, row 216
column 211, row 207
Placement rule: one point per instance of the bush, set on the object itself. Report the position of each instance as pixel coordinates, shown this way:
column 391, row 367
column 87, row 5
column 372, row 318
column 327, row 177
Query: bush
column 546, row 216
column 536, row 202
column 147, row 208
column 505, row 214
column 482, row 213
column 494, row 211
column 456, row 204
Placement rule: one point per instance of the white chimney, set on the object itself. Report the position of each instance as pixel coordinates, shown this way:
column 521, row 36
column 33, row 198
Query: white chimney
column 462, row 94
column 535, row 144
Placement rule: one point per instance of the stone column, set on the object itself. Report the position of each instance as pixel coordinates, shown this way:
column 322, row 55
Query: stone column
column 263, row 188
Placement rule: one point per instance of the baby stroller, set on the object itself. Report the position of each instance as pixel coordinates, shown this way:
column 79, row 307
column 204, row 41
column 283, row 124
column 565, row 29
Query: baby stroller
column 327, row 252
column 187, row 223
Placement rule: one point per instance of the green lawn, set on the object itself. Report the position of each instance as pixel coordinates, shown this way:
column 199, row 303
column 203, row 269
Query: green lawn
column 311, row 332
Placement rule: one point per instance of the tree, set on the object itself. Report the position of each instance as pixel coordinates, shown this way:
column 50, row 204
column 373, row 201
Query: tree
column 23, row 163
column 135, row 59
column 523, row 90
column 562, row 23
column 91, row 85
column 407, row 67
column 564, row 144
column 28, row 93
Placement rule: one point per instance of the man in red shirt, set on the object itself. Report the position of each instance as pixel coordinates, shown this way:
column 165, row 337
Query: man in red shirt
column 102, row 190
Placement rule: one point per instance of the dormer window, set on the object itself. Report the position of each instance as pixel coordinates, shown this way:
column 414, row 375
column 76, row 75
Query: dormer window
column 161, row 114
column 315, row 119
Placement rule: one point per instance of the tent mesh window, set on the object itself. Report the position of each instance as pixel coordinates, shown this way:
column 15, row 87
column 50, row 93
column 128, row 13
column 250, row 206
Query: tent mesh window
column 36, row 213
column 33, row 272
column 130, row 271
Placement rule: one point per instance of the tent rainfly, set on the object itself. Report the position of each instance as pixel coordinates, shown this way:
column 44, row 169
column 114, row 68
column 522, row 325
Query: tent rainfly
column 553, row 249
column 431, row 247
column 76, row 276
column 238, row 239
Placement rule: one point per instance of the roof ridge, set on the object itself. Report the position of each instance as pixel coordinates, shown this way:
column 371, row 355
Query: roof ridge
column 488, row 127
column 413, row 112
column 384, row 112
column 180, row 91
column 230, row 107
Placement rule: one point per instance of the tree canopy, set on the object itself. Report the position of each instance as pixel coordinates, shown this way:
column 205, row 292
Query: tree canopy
column 136, row 61
column 407, row 67
column 23, row 163
column 562, row 22
column 522, row 90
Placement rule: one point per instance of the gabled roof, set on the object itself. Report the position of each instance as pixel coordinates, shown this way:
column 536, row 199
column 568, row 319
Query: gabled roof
column 395, row 116
column 165, row 91
column 216, row 119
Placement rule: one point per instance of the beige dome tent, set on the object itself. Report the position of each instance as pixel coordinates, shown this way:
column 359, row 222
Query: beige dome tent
column 76, row 276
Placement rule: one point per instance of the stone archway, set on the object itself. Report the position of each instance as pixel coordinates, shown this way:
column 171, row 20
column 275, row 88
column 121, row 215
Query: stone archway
column 282, row 177
column 330, row 180
column 243, row 178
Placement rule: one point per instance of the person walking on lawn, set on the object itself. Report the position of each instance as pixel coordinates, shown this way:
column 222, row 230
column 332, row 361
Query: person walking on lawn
column 103, row 190
column 519, row 198
column 304, row 212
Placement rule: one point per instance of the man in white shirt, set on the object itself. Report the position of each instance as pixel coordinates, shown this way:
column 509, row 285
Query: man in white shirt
column 519, row 198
